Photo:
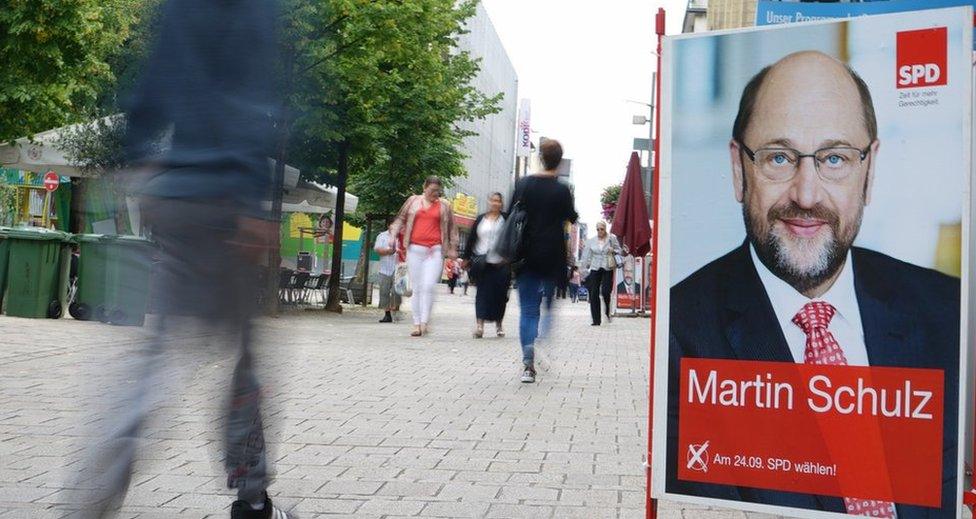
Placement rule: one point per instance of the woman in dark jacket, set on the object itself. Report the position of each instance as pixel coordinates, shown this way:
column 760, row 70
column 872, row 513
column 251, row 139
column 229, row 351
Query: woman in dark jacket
column 487, row 269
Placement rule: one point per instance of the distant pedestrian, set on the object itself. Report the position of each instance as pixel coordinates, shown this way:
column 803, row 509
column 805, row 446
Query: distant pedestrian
column 386, row 247
column 574, row 284
column 548, row 204
column 464, row 280
column 600, row 257
column 426, row 226
column 487, row 268
column 451, row 274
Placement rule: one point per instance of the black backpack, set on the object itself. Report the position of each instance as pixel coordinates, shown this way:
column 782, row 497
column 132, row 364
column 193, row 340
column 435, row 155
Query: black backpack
column 509, row 243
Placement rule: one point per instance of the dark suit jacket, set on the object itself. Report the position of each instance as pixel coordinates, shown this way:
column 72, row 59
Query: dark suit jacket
column 622, row 288
column 910, row 317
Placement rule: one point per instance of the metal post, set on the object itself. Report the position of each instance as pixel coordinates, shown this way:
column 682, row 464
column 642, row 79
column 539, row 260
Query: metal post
column 366, row 250
column 651, row 502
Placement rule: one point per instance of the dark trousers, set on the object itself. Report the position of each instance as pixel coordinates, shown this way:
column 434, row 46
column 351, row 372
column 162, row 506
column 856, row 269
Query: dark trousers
column 599, row 282
column 492, row 295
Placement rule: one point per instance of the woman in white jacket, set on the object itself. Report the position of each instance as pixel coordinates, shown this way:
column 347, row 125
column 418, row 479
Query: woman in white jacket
column 598, row 264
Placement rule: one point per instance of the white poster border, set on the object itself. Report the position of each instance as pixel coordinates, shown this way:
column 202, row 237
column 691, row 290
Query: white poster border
column 663, row 289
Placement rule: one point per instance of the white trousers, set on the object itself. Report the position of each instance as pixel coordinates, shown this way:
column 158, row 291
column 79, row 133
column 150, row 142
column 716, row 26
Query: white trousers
column 426, row 265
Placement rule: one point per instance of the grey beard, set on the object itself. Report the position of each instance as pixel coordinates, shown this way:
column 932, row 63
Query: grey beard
column 771, row 253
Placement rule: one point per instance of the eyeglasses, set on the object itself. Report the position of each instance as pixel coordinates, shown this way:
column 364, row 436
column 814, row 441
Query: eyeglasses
column 833, row 164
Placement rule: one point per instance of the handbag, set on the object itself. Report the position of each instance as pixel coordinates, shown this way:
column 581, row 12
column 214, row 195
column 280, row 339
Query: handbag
column 476, row 266
column 401, row 280
column 509, row 245
column 616, row 260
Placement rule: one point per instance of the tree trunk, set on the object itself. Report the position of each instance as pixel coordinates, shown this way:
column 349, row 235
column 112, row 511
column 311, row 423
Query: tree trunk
column 77, row 215
column 333, row 303
column 277, row 192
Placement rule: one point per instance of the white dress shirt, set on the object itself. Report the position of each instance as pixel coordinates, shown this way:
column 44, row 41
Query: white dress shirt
column 388, row 262
column 845, row 325
column 488, row 231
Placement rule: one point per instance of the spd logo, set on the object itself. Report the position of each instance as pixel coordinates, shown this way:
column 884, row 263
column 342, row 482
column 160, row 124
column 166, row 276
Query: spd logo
column 921, row 60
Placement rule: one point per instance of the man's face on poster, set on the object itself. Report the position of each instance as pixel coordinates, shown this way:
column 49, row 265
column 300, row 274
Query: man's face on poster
column 803, row 213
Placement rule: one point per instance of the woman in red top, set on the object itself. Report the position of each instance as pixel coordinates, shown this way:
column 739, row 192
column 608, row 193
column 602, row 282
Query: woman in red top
column 426, row 223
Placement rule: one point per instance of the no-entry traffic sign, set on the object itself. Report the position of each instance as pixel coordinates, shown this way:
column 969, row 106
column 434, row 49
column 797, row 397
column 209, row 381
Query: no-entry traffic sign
column 51, row 181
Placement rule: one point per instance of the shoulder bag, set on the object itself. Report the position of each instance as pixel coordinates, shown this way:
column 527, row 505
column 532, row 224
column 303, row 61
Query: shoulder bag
column 509, row 245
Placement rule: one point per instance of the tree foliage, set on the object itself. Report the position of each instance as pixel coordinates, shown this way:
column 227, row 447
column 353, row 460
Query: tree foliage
column 375, row 95
column 55, row 56
column 388, row 80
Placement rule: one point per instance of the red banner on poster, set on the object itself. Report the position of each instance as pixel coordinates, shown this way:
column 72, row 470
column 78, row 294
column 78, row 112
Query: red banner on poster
column 870, row 433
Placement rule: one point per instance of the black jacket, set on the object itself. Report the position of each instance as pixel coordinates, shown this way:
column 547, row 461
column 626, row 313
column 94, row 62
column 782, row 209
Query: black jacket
column 910, row 318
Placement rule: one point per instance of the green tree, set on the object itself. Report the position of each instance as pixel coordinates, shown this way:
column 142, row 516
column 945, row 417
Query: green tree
column 55, row 55
column 377, row 90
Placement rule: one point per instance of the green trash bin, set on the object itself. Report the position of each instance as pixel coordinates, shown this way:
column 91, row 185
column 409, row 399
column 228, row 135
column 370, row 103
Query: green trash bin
column 91, row 289
column 4, row 254
column 37, row 272
column 128, row 267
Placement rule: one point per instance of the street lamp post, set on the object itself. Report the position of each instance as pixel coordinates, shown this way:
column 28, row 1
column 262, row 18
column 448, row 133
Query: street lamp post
column 641, row 120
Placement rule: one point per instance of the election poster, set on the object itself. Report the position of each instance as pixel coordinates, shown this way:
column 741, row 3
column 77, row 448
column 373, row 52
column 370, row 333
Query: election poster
column 814, row 233
column 628, row 283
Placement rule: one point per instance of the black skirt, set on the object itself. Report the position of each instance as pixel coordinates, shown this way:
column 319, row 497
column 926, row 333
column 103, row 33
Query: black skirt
column 492, row 296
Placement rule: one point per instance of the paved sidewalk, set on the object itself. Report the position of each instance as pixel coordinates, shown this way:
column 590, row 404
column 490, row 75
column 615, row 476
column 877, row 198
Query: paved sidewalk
column 366, row 421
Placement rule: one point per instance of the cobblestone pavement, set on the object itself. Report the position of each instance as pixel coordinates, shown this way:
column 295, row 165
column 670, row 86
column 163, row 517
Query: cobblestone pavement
column 366, row 421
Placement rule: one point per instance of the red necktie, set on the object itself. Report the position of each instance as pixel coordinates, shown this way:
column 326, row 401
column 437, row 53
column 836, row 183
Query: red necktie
column 823, row 349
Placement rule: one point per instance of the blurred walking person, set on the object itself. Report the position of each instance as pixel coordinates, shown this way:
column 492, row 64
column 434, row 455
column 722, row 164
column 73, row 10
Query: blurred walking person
column 209, row 92
column 426, row 223
column 386, row 247
column 600, row 260
column 488, row 270
column 548, row 204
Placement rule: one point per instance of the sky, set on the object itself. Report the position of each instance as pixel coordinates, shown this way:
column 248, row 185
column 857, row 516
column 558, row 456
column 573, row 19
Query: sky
column 579, row 63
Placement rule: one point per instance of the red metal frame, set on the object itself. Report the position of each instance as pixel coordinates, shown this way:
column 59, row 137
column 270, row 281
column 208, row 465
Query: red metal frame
column 969, row 496
column 655, row 210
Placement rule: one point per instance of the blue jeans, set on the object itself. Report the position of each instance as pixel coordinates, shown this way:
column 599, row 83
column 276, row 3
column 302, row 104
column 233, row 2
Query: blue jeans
column 533, row 289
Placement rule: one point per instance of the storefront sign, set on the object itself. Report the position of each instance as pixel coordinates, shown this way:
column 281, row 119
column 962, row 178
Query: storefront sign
column 523, row 147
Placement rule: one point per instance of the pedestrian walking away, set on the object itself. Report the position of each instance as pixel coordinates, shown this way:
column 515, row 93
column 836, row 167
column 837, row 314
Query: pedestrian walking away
column 451, row 275
column 600, row 257
column 386, row 247
column 489, row 271
column 574, row 284
column 202, row 204
column 425, row 226
column 464, row 279
column 548, row 205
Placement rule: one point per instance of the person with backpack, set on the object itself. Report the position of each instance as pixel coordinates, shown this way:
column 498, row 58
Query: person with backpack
column 541, row 257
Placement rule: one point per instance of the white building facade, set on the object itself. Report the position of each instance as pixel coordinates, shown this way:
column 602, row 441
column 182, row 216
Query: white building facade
column 490, row 161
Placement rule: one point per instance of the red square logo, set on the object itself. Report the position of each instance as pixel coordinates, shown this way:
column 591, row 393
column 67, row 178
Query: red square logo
column 921, row 60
